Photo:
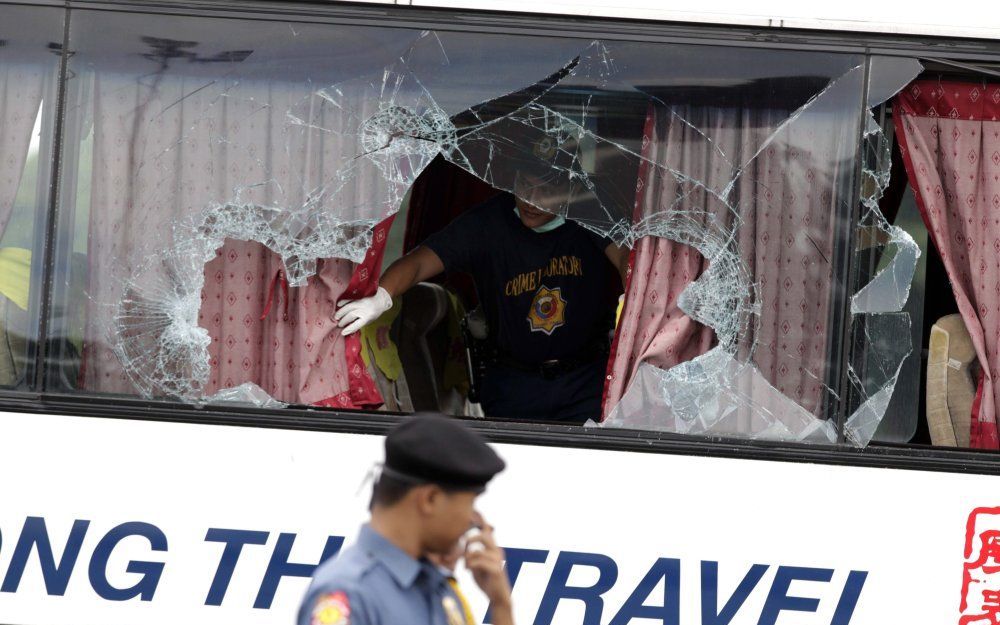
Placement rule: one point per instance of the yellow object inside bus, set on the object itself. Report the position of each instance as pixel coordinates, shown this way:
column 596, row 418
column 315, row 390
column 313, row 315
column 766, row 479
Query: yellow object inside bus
column 15, row 275
column 377, row 345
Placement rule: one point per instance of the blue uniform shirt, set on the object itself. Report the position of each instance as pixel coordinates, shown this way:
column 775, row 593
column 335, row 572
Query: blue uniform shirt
column 374, row 582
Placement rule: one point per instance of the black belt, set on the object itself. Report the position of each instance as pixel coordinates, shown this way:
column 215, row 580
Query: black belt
column 549, row 369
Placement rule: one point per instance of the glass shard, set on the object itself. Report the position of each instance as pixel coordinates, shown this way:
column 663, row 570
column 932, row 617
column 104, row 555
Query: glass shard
column 248, row 394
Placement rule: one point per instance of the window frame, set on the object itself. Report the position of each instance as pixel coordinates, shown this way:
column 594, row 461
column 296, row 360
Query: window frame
column 502, row 431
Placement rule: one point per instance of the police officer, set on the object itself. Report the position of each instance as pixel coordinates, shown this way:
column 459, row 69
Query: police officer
column 422, row 504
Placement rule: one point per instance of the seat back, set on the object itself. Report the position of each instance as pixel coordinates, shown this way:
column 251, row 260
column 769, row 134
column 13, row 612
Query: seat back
column 951, row 383
column 423, row 343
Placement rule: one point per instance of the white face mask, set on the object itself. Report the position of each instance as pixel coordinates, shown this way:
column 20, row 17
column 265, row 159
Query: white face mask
column 548, row 226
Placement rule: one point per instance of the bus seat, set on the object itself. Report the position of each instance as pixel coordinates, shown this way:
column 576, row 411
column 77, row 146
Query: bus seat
column 423, row 343
column 951, row 385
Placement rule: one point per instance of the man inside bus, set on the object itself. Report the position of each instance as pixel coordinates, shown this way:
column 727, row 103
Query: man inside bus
column 542, row 282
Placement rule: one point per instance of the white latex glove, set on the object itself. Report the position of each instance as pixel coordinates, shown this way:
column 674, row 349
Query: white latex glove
column 356, row 314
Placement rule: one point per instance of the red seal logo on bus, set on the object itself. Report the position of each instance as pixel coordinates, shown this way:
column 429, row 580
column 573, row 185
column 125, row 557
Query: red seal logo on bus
column 981, row 576
column 548, row 310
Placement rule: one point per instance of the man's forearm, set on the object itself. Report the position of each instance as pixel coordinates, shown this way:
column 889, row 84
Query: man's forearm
column 418, row 265
column 398, row 278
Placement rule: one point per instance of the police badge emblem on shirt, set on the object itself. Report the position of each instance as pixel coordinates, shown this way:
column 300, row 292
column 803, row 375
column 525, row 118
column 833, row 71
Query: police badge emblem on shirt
column 548, row 310
column 333, row 608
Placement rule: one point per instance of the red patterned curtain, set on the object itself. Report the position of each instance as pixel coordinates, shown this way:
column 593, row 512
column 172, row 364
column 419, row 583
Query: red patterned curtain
column 284, row 339
column 362, row 391
column 652, row 328
column 949, row 134
column 787, row 207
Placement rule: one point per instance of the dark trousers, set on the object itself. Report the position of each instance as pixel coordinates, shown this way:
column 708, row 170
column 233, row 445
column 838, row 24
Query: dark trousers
column 574, row 396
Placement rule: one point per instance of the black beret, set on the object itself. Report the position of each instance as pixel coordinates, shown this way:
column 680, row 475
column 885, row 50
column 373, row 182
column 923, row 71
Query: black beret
column 431, row 448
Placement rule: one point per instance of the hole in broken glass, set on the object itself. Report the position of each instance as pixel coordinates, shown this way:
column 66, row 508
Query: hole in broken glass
column 388, row 127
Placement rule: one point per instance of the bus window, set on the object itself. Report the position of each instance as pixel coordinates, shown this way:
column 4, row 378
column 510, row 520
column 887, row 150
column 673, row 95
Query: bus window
column 221, row 204
column 944, row 394
column 234, row 183
column 28, row 80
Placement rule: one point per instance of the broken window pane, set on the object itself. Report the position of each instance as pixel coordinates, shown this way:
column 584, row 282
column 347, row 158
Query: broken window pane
column 886, row 260
column 788, row 198
column 235, row 180
column 943, row 384
column 747, row 402
column 230, row 174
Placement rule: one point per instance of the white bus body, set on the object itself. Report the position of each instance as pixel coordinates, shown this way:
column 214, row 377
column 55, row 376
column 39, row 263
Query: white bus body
column 600, row 533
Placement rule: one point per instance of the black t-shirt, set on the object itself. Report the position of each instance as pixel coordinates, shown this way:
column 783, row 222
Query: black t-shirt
column 544, row 294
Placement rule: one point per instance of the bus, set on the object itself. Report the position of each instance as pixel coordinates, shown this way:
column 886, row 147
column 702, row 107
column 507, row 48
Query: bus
column 797, row 415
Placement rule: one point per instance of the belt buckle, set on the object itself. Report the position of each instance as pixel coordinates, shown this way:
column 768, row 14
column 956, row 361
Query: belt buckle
column 550, row 369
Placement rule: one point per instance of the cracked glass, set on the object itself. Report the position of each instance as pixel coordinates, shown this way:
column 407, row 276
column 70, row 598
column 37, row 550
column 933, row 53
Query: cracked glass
column 742, row 400
column 887, row 256
column 234, row 177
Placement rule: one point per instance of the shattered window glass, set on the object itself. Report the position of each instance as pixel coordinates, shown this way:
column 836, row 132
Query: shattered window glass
column 880, row 319
column 738, row 397
column 230, row 188
column 30, row 42
column 228, row 177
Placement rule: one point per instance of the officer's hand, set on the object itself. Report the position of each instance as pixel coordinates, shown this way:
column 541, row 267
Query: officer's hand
column 356, row 314
column 485, row 561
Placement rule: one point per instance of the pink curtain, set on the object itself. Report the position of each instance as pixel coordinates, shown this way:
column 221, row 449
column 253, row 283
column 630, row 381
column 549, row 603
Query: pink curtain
column 293, row 351
column 949, row 134
column 155, row 162
column 362, row 390
column 787, row 199
column 652, row 328
column 20, row 96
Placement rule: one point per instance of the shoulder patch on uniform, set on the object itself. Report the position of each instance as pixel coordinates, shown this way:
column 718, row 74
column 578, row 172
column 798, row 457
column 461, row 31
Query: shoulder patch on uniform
column 332, row 608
